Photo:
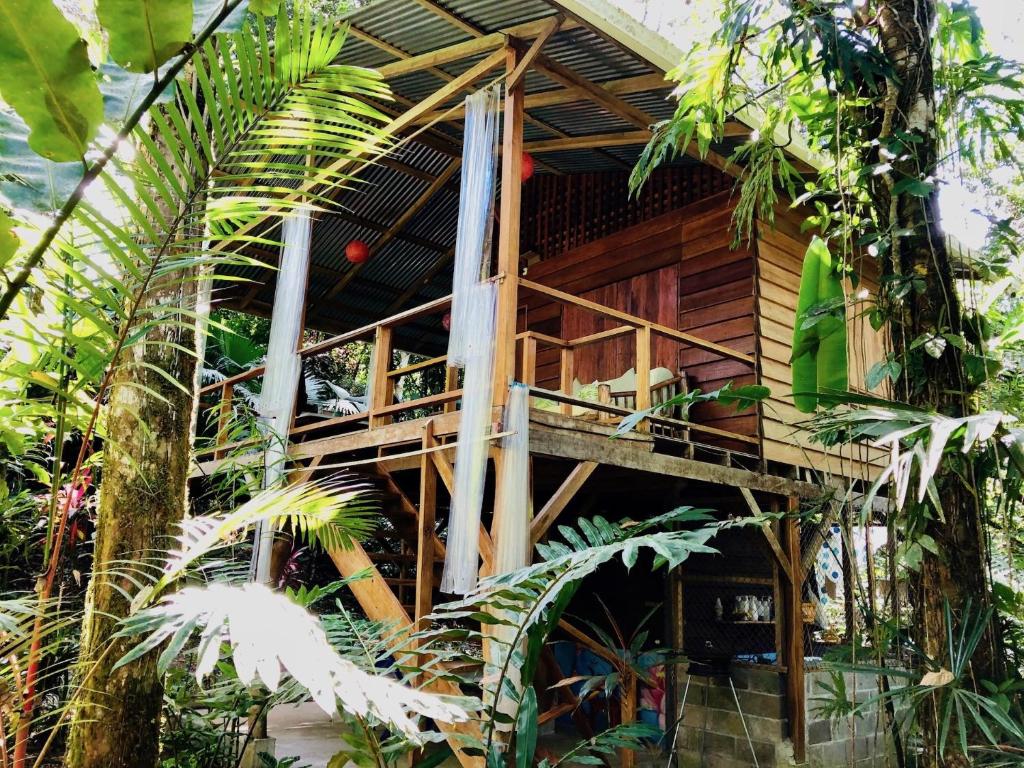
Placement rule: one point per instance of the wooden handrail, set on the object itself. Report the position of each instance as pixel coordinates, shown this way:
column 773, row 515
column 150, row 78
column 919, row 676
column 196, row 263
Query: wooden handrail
column 637, row 322
column 570, row 401
column 594, row 338
column 413, row 367
column 358, row 334
column 423, row 402
column 552, row 341
column 238, row 378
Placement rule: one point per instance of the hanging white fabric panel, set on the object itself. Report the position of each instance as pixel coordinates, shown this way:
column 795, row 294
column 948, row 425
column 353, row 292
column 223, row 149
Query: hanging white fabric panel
column 471, row 340
column 283, row 366
column 512, row 510
column 476, row 212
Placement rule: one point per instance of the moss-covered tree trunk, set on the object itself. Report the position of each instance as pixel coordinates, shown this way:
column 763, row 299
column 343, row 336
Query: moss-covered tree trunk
column 956, row 570
column 143, row 498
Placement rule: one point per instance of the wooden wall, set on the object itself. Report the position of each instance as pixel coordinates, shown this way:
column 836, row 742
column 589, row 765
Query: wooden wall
column 561, row 213
column 716, row 303
column 676, row 269
column 780, row 253
column 643, row 259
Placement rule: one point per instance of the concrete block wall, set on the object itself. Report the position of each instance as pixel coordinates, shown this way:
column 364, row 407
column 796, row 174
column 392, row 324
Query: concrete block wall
column 857, row 742
column 712, row 734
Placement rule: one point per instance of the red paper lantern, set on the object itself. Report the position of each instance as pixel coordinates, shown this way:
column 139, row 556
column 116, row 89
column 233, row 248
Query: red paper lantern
column 357, row 252
column 527, row 171
column 446, row 321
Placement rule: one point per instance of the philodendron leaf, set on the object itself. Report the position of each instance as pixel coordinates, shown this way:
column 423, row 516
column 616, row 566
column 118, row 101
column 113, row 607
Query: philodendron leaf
column 145, row 33
column 46, row 77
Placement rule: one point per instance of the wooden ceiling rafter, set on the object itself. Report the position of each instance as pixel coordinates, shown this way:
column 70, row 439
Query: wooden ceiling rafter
column 542, row 37
column 563, row 75
column 557, row 97
column 593, row 141
column 396, row 229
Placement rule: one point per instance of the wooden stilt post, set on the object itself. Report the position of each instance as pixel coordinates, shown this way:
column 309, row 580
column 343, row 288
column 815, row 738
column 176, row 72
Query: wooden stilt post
column 794, row 637
column 508, row 233
column 425, row 529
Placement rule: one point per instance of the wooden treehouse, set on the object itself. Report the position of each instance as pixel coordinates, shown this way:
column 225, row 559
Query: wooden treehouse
column 606, row 304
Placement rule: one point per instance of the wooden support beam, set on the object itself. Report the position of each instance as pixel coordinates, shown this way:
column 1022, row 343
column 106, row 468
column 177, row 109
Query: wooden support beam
column 395, row 230
column 560, row 500
column 481, row 44
column 794, row 637
column 508, row 232
column 545, row 441
column 594, row 141
column 528, row 58
column 558, row 72
column 425, row 530
column 560, row 96
column 380, row 603
column 769, row 534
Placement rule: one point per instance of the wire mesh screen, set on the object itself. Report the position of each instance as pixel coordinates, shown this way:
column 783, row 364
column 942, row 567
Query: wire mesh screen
column 730, row 621
column 825, row 601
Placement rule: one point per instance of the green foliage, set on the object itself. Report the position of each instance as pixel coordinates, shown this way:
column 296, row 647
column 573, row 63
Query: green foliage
column 742, row 398
column 45, row 75
column 969, row 721
column 144, row 34
column 523, row 607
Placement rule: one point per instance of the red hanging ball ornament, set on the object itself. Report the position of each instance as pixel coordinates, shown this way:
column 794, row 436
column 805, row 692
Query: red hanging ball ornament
column 446, row 321
column 357, row 252
column 527, row 171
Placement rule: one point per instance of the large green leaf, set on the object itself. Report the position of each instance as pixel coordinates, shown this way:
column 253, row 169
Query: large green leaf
column 145, row 33
column 8, row 239
column 804, row 359
column 45, row 75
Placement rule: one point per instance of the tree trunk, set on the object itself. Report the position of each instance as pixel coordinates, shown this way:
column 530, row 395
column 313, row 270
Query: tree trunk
column 958, row 571
column 143, row 498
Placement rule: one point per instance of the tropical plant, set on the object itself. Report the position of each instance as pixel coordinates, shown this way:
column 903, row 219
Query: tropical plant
column 174, row 203
column 948, row 685
column 880, row 101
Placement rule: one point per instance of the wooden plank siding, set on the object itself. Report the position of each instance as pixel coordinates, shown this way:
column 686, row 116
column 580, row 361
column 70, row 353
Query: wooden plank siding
column 779, row 256
column 716, row 292
column 677, row 269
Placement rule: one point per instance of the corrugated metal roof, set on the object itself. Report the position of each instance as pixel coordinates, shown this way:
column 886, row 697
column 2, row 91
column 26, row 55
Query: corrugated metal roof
column 386, row 192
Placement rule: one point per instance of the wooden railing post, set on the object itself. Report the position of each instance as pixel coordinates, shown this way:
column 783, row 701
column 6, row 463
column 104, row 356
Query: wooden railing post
column 382, row 387
column 529, row 373
column 643, row 372
column 451, row 383
column 566, row 373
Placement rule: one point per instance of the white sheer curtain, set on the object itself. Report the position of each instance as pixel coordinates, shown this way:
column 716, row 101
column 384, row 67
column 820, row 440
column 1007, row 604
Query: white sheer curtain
column 471, row 340
column 283, row 367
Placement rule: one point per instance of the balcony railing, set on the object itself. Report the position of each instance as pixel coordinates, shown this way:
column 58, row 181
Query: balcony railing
column 382, row 408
